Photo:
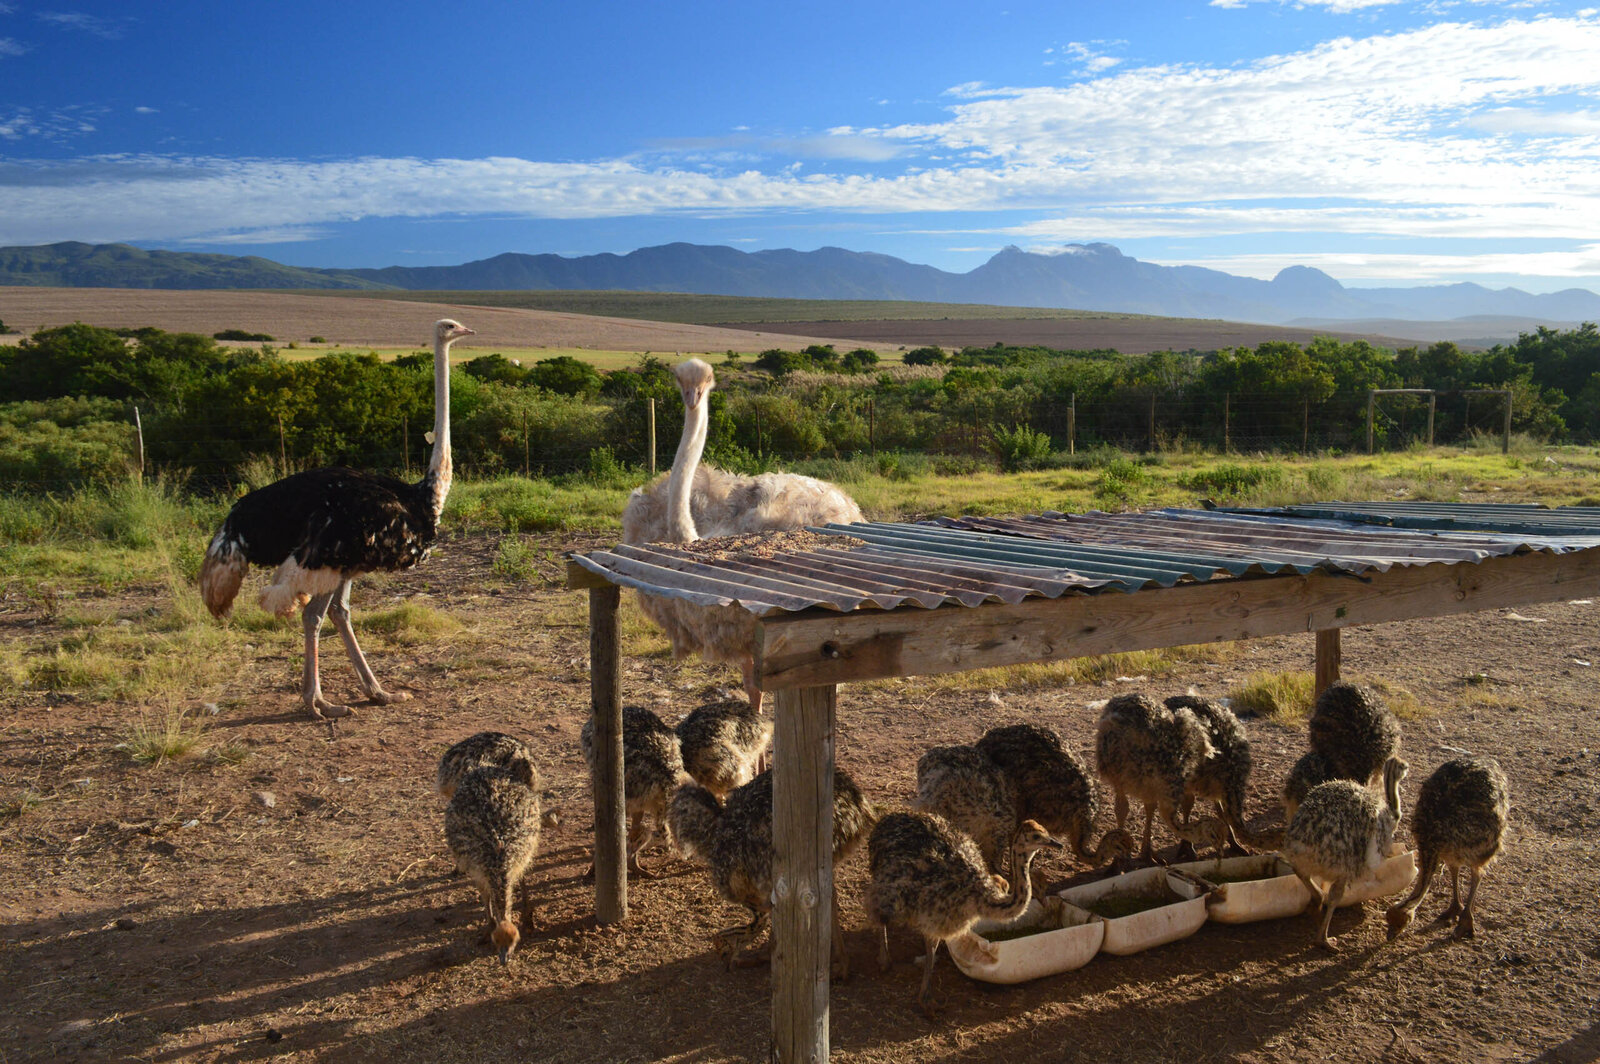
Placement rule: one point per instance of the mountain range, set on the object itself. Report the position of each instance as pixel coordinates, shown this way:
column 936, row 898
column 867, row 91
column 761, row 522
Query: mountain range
column 1094, row 277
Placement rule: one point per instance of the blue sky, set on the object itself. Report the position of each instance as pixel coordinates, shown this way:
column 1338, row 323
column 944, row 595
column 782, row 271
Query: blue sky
column 1384, row 141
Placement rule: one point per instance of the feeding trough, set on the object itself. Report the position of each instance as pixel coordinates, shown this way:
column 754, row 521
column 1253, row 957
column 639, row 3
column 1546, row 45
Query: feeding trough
column 1264, row 886
column 1150, row 907
column 1047, row 938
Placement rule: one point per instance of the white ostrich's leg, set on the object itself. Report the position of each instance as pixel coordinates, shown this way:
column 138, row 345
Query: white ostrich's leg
column 310, row 678
column 340, row 611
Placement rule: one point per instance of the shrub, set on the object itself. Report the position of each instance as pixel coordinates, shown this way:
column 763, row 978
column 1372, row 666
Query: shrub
column 860, row 360
column 246, row 337
column 565, row 375
column 1021, row 448
column 925, row 356
column 1231, row 479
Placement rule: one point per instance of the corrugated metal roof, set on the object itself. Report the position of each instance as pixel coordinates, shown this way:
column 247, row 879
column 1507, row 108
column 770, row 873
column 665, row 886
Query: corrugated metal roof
column 1536, row 519
column 973, row 560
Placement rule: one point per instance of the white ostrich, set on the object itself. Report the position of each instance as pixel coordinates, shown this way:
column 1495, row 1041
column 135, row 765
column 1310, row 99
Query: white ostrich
column 323, row 528
column 696, row 501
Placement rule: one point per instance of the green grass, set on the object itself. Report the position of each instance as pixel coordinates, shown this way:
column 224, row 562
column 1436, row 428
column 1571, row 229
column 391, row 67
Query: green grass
column 410, row 624
column 173, row 736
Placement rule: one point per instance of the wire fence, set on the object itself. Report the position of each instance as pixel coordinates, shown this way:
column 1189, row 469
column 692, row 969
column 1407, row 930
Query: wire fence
column 217, row 454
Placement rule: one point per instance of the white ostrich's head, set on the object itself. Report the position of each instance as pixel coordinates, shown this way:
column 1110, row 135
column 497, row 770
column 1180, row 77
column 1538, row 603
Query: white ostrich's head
column 447, row 329
column 695, row 381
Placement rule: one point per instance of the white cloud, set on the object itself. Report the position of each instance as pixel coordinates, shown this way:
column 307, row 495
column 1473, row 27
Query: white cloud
column 288, row 235
column 110, row 29
column 9, row 47
column 1338, row 7
column 146, row 111
column 1576, row 263
column 1452, row 130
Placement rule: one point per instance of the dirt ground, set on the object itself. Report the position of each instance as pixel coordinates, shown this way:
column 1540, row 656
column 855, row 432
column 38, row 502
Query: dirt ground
column 379, row 322
column 170, row 913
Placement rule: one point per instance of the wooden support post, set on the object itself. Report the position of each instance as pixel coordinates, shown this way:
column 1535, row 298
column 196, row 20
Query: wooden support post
column 138, row 428
column 651, row 432
column 605, row 704
column 525, row 463
column 1072, row 425
column 802, row 873
column 1372, row 405
column 1505, row 434
column 1328, row 658
column 1433, row 406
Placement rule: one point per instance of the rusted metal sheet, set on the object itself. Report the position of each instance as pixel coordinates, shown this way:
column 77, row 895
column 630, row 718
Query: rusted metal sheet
column 974, row 560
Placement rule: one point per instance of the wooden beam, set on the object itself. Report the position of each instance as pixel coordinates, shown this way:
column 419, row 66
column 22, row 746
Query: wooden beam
column 580, row 579
column 1329, row 657
column 818, row 647
column 802, row 874
column 606, row 782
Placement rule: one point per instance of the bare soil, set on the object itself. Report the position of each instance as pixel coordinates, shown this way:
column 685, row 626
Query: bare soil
column 287, row 316
column 1131, row 336
column 169, row 913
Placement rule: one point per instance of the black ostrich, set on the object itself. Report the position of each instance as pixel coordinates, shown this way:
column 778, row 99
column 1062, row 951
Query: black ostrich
column 323, row 528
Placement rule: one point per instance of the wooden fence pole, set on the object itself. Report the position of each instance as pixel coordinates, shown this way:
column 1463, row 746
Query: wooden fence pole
column 1372, row 405
column 405, row 443
column 1305, row 427
column 138, row 430
column 525, row 462
column 1433, row 405
column 1505, row 433
column 1072, row 425
column 1227, row 404
column 872, row 428
column 605, row 706
column 652, row 435
column 283, row 448
column 1329, row 655
column 1152, row 443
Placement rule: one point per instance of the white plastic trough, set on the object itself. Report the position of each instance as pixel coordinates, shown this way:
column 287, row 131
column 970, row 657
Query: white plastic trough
column 1278, row 892
column 1070, row 945
column 1153, row 927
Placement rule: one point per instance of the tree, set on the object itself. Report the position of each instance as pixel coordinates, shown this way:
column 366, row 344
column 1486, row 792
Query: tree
column 860, row 360
column 565, row 375
column 925, row 356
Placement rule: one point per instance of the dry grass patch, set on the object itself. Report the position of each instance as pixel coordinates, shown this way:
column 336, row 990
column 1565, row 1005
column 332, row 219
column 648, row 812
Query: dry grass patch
column 410, row 623
column 1091, row 670
column 1281, row 697
column 174, row 735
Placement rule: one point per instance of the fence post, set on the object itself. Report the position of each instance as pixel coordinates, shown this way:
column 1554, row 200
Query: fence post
column 1305, row 427
column 1505, row 433
column 525, row 443
column 1227, row 404
column 138, row 428
column 1072, row 425
column 283, row 448
column 758, row 429
column 1372, row 403
column 872, row 428
column 1152, row 445
column 1433, row 404
column 405, row 443
column 652, row 421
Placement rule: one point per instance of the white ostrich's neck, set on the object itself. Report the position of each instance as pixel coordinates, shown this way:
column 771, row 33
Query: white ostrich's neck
column 439, row 467
column 680, row 484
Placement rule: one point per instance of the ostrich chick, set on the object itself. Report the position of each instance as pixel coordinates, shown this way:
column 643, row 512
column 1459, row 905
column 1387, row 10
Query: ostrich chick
column 1224, row 775
column 1053, row 789
column 652, row 768
column 972, row 794
column 932, row 878
column 492, row 826
column 722, row 744
column 484, row 750
column 1341, row 832
column 735, row 842
column 1460, row 819
column 1354, row 730
column 1312, row 768
column 1150, row 752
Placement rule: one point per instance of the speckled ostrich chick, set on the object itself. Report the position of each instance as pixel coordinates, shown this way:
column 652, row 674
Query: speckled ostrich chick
column 973, row 795
column 933, row 879
column 492, row 826
column 1460, row 820
column 1150, row 752
column 722, row 744
column 1224, row 775
column 1354, row 730
column 652, row 769
column 734, row 841
column 484, row 750
column 1053, row 789
column 1342, row 832
column 1311, row 769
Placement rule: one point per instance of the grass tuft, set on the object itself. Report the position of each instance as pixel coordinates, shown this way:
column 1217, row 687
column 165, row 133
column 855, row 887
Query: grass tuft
column 410, row 623
column 174, row 736
column 1282, row 697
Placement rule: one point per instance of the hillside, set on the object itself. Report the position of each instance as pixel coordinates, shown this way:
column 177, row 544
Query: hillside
column 75, row 265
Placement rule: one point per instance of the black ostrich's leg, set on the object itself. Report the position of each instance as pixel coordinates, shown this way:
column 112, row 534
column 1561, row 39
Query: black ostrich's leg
column 310, row 679
column 340, row 611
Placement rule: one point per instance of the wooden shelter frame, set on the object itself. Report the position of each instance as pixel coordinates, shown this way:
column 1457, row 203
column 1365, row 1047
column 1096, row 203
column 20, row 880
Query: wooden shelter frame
column 804, row 656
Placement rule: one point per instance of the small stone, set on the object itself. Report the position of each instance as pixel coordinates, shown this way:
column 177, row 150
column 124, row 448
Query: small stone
column 126, row 923
column 266, row 798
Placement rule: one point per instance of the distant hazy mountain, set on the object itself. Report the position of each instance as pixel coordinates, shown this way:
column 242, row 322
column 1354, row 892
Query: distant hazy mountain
column 1079, row 277
column 75, row 265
